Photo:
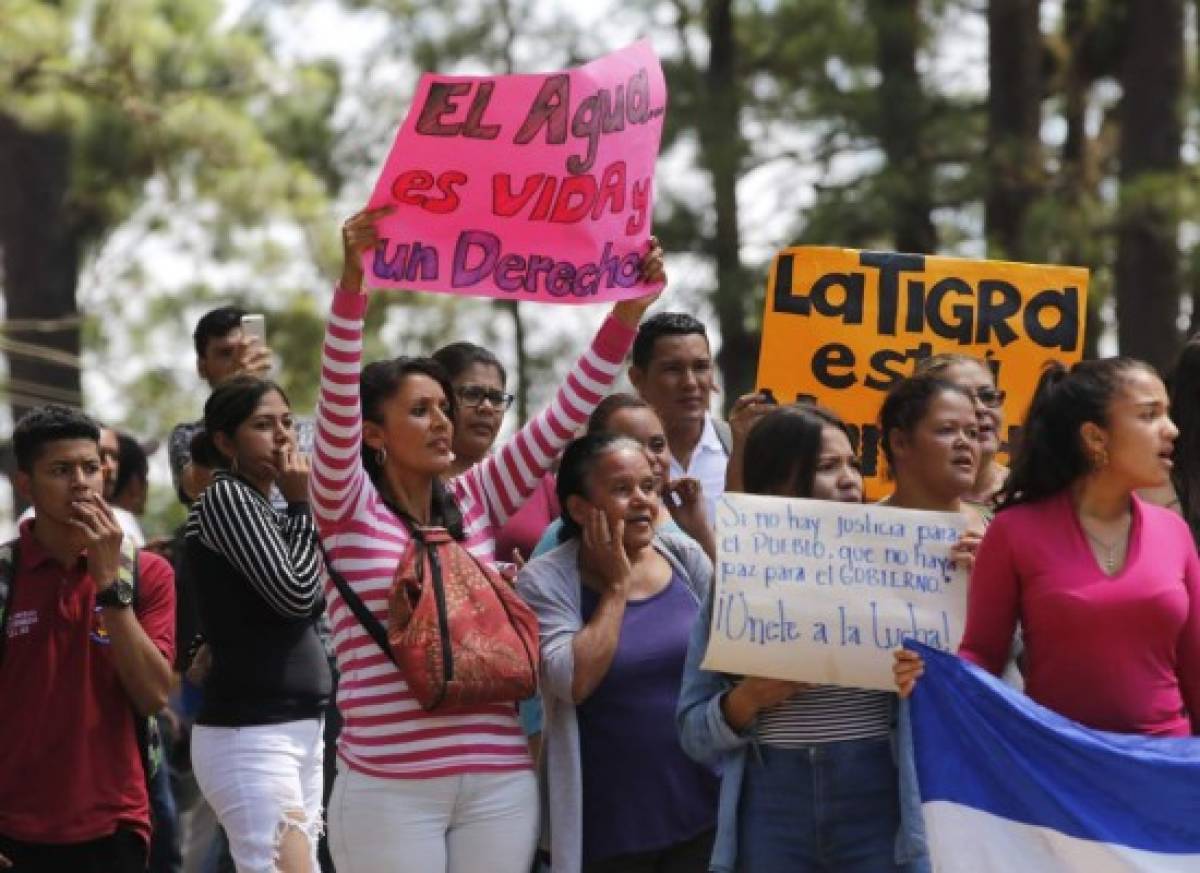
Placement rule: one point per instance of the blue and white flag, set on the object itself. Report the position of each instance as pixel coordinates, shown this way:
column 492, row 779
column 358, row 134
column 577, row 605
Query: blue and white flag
column 1007, row 785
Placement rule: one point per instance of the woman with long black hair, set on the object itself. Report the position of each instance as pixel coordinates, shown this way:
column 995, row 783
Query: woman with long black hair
column 425, row 791
column 257, row 742
column 1103, row 584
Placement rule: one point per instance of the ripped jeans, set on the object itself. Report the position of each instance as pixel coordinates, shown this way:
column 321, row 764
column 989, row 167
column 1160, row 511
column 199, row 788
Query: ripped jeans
column 263, row 782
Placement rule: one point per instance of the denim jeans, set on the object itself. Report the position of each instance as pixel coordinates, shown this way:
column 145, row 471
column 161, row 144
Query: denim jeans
column 828, row 808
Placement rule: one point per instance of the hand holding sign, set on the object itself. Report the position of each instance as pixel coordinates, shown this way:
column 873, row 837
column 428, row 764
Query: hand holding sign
column 907, row 667
column 752, row 695
column 360, row 235
column 630, row 312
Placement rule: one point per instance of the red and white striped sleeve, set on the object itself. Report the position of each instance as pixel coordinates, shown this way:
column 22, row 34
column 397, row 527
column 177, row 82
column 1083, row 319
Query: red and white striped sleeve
column 504, row 481
column 337, row 477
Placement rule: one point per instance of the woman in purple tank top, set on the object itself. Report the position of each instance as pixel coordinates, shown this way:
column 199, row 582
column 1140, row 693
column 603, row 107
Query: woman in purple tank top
column 616, row 604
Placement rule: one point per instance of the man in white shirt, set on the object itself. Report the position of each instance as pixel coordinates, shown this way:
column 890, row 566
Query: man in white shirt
column 672, row 370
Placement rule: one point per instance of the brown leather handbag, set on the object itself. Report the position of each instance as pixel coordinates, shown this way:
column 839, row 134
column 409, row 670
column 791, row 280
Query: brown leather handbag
column 456, row 629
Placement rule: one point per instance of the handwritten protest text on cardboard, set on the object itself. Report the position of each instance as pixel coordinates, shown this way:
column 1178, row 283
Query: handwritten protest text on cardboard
column 526, row 187
column 842, row 326
column 819, row 591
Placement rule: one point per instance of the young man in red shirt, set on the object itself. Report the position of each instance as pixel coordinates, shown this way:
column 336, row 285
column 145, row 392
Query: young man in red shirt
column 81, row 660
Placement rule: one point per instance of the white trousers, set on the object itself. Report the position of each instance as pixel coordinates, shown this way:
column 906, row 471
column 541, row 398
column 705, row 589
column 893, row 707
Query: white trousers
column 451, row 824
column 261, row 781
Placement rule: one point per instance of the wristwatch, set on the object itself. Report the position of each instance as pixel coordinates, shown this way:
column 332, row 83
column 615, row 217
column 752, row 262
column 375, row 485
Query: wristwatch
column 118, row 595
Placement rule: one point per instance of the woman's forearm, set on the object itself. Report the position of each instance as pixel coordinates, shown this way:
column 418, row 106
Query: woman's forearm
column 595, row 645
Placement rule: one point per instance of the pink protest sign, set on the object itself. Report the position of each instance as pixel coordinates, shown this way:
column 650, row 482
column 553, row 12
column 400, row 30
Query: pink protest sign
column 531, row 187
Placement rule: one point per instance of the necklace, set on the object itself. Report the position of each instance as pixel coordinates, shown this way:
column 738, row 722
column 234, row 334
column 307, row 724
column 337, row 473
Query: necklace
column 1110, row 549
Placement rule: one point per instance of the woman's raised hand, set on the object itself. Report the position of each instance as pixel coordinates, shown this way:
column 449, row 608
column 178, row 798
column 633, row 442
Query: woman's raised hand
column 359, row 236
column 630, row 312
column 746, row 412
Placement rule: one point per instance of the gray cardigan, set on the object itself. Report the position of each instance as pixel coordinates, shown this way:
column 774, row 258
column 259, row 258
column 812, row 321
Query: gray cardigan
column 550, row 585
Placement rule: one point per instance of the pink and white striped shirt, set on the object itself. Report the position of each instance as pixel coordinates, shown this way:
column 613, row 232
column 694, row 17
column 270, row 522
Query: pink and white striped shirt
column 386, row 733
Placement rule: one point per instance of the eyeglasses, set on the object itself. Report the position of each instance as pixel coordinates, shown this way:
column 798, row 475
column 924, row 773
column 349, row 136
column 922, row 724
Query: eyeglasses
column 474, row 395
column 989, row 397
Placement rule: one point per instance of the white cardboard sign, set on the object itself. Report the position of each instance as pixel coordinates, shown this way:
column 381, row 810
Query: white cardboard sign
column 819, row 591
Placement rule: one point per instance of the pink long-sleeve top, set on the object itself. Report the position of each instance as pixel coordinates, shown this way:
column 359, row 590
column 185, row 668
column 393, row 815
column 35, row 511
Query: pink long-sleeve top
column 1118, row 653
column 386, row 733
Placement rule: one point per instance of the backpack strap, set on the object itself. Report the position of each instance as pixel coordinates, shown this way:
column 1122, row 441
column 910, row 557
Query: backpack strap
column 149, row 738
column 128, row 569
column 724, row 435
column 8, row 575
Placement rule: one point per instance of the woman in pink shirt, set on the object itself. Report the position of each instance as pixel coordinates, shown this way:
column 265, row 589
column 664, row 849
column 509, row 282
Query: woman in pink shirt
column 1103, row 584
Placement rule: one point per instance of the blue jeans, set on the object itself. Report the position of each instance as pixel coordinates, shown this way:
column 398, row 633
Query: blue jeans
column 829, row 808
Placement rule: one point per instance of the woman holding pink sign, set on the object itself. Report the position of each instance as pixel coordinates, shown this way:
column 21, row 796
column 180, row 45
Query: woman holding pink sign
column 423, row 790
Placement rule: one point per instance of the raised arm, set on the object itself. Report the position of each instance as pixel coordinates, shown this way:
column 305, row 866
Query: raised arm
column 337, row 471
column 504, row 481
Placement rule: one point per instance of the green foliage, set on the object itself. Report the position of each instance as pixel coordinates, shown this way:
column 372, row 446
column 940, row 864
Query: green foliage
column 147, row 87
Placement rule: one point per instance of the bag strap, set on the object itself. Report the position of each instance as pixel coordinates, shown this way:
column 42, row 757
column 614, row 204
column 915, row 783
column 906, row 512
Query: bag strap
column 443, row 616
column 8, row 575
column 373, row 626
column 128, row 569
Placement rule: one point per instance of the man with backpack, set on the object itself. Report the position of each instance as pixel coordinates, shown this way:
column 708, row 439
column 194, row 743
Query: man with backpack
column 86, row 642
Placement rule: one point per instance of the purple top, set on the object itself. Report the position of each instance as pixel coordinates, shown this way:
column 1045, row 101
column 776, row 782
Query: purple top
column 640, row 791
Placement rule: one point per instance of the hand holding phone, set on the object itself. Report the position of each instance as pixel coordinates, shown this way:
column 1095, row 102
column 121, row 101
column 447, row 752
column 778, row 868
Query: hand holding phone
column 254, row 327
column 255, row 357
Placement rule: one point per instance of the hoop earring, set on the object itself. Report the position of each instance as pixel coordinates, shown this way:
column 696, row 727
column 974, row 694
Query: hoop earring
column 233, row 465
column 1100, row 459
column 381, row 456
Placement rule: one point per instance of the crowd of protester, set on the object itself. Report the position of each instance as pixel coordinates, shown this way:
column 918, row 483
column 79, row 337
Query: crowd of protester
column 236, row 697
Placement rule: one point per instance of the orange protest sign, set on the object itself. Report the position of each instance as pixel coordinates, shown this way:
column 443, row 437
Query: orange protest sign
column 842, row 325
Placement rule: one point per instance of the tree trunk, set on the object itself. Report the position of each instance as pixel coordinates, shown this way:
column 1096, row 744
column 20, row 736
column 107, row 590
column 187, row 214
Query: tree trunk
column 1014, row 121
column 1147, row 270
column 522, row 386
column 41, row 252
column 504, row 8
column 902, row 115
column 1076, row 180
column 722, row 153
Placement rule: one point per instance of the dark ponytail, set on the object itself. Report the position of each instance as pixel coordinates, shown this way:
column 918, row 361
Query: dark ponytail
column 1185, row 412
column 1050, row 453
column 230, row 404
column 578, row 461
column 378, row 383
